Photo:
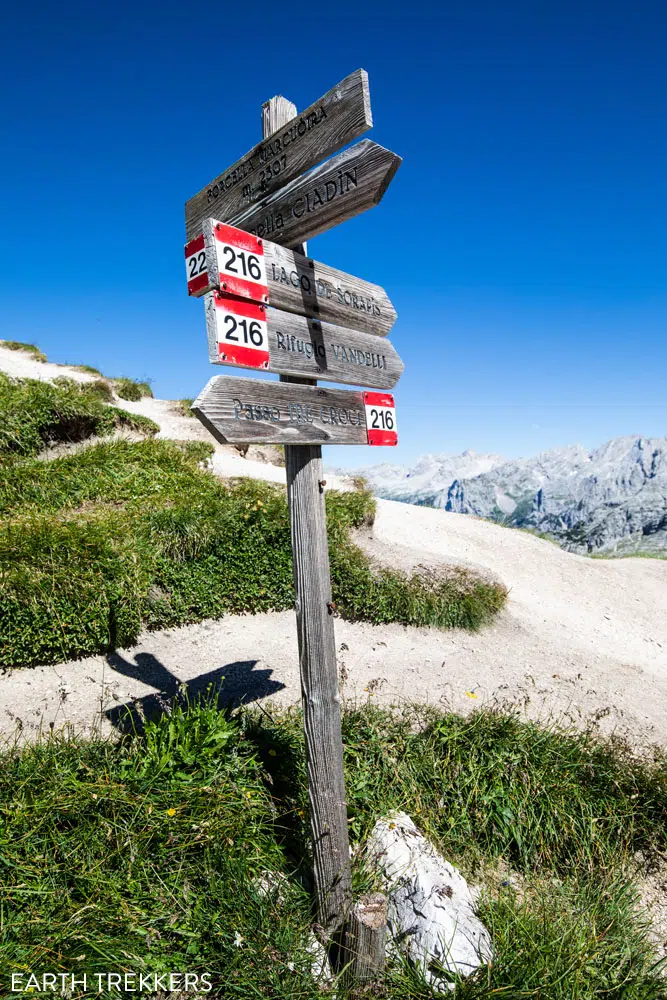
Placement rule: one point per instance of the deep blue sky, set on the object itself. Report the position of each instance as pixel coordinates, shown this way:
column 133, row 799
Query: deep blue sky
column 522, row 240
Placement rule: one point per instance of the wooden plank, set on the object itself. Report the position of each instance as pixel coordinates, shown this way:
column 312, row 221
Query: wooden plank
column 299, row 284
column 346, row 185
column 251, row 411
column 249, row 335
column 341, row 115
column 319, row 686
column 317, row 662
column 230, row 259
column 365, row 939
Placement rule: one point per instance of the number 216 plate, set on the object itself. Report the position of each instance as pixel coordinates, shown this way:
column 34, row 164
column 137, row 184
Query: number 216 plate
column 238, row 329
column 380, row 418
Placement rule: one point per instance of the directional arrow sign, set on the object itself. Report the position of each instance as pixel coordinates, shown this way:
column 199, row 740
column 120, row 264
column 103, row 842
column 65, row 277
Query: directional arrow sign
column 238, row 263
column 246, row 411
column 336, row 119
column 250, row 335
column 344, row 186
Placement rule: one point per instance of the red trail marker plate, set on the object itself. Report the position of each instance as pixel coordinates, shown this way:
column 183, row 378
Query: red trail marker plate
column 227, row 258
column 240, row 332
column 380, row 418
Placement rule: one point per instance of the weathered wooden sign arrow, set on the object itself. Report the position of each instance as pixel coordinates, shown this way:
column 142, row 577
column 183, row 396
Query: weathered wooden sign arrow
column 346, row 185
column 251, row 335
column 238, row 263
column 343, row 114
column 247, row 411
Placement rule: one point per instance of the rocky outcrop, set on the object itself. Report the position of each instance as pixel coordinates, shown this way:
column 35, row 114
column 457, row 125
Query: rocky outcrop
column 611, row 500
column 430, row 910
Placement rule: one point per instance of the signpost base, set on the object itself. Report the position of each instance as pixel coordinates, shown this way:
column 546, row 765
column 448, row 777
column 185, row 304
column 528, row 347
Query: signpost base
column 365, row 939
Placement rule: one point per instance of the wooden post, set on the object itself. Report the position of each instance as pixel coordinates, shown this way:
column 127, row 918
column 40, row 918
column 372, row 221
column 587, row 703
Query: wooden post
column 317, row 653
column 365, row 939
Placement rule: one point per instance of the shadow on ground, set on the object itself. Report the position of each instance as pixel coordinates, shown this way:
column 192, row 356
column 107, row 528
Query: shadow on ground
column 280, row 750
column 236, row 683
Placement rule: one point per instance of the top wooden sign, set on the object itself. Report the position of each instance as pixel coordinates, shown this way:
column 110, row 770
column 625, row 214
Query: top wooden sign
column 343, row 114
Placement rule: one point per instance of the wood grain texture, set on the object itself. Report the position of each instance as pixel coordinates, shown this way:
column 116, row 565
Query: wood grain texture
column 276, row 113
column 301, row 285
column 307, row 287
column 252, row 411
column 346, row 185
column 317, row 665
column 294, row 146
column 319, row 686
column 299, row 345
column 365, row 939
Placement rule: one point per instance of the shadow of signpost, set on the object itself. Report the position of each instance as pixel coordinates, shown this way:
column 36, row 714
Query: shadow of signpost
column 236, row 683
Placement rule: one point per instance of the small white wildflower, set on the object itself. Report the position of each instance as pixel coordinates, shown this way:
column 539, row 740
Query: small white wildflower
column 238, row 940
column 290, row 966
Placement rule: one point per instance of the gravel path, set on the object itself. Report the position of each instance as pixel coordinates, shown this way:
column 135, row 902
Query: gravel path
column 580, row 638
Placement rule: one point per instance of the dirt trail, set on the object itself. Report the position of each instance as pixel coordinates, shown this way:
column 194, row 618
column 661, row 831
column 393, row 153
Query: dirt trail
column 580, row 638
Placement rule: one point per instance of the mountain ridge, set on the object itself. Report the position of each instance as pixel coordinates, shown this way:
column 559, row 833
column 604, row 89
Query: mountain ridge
column 611, row 499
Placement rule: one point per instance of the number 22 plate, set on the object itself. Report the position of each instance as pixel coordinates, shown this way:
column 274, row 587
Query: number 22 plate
column 240, row 333
column 380, row 418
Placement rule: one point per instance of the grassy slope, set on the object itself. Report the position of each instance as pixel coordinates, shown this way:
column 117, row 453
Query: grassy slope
column 96, row 545
column 34, row 414
column 20, row 345
column 128, row 388
column 145, row 854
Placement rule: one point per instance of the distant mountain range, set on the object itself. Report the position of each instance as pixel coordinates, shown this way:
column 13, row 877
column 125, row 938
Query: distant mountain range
column 612, row 499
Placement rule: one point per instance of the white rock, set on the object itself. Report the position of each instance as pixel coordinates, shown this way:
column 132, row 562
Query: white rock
column 430, row 909
column 320, row 968
column 269, row 883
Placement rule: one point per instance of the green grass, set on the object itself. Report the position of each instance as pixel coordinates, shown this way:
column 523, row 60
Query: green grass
column 130, row 389
column 144, row 854
column 88, row 369
column 627, row 555
column 18, row 345
column 185, row 407
column 101, row 388
column 119, row 536
column 34, row 414
column 457, row 598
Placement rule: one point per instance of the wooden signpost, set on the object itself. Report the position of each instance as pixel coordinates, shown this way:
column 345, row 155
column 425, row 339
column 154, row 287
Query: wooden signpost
column 292, row 148
column 243, row 411
column 227, row 259
column 250, row 335
column 346, row 185
column 269, row 307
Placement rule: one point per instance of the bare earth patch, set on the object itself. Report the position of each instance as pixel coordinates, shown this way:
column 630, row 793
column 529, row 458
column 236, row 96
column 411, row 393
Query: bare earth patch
column 653, row 896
